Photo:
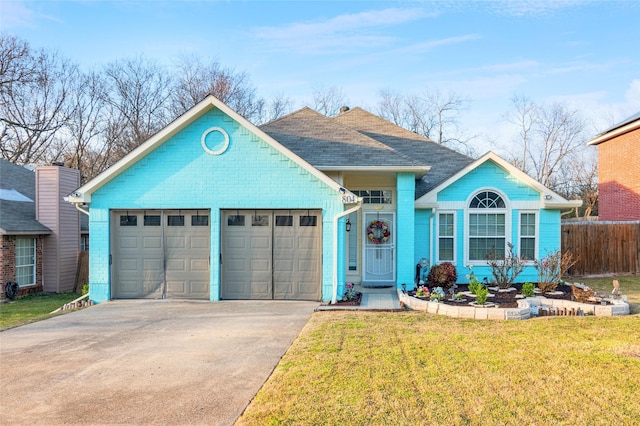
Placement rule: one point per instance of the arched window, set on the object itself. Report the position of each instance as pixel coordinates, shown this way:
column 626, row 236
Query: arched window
column 487, row 226
column 487, row 200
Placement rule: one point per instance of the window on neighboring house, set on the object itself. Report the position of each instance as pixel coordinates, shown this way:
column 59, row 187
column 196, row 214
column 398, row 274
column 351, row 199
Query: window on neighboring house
column 528, row 236
column 446, row 226
column 25, row 261
column 487, row 226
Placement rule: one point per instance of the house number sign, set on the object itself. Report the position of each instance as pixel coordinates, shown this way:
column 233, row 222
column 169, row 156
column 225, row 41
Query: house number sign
column 220, row 146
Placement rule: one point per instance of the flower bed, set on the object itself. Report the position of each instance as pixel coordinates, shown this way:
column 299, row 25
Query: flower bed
column 527, row 308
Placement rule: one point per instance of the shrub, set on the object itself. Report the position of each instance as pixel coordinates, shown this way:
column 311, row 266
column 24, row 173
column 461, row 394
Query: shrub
column 505, row 268
column 437, row 294
column 552, row 267
column 85, row 289
column 481, row 295
column 474, row 284
column 443, row 275
column 528, row 289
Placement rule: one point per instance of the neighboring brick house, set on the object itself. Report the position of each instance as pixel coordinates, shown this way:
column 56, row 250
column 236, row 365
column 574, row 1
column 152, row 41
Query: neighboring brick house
column 39, row 232
column 212, row 207
column 619, row 171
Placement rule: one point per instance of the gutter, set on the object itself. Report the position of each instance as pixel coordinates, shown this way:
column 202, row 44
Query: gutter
column 334, row 297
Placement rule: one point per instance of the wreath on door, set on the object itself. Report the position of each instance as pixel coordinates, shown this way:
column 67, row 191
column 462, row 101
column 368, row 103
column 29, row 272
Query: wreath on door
column 378, row 232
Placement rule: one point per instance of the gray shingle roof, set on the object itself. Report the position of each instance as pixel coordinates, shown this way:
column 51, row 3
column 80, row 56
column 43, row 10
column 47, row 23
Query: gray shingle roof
column 444, row 161
column 19, row 217
column 327, row 144
column 358, row 138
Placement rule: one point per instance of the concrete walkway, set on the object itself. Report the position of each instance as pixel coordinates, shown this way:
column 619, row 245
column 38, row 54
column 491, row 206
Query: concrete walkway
column 373, row 299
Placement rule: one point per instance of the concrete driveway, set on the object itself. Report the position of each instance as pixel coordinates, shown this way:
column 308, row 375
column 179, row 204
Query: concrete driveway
column 145, row 362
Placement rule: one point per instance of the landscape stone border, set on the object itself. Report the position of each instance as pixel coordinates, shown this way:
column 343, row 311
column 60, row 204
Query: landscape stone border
column 523, row 311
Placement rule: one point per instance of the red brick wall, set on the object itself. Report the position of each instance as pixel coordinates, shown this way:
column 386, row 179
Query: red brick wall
column 8, row 264
column 619, row 178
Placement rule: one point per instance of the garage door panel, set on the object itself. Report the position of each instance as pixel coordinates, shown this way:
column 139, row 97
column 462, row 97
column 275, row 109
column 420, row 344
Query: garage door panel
column 128, row 242
column 176, row 265
column 199, row 242
column 199, row 264
column 152, row 242
column 175, row 242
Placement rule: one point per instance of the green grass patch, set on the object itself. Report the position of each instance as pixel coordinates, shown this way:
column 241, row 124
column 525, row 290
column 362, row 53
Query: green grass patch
column 31, row 308
column 407, row 368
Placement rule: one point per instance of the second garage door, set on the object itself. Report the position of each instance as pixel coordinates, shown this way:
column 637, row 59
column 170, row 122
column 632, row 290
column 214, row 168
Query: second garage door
column 269, row 254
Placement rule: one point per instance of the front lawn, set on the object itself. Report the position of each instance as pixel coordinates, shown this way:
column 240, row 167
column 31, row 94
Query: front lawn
column 413, row 368
column 31, row 308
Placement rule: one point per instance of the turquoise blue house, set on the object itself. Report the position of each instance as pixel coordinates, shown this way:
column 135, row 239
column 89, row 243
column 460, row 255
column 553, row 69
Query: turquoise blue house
column 213, row 207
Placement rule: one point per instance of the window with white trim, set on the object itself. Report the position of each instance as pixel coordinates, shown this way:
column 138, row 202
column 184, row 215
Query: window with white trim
column 446, row 237
column 487, row 226
column 25, row 261
column 528, row 236
column 375, row 196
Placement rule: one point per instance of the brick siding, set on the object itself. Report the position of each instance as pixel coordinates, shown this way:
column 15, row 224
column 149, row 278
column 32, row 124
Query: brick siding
column 8, row 264
column 619, row 178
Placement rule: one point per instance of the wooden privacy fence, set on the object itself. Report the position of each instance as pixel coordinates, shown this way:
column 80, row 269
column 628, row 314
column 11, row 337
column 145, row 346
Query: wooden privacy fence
column 603, row 247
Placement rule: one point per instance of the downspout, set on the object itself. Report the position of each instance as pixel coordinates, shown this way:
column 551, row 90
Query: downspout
column 80, row 209
column 334, row 297
column 432, row 237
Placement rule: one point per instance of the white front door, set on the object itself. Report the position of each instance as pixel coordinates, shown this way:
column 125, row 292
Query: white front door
column 379, row 248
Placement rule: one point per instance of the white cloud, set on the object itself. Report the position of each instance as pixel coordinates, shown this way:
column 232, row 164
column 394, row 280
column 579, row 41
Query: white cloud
column 16, row 14
column 349, row 31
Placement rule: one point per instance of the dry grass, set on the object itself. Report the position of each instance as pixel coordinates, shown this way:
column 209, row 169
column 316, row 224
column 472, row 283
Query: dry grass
column 357, row 368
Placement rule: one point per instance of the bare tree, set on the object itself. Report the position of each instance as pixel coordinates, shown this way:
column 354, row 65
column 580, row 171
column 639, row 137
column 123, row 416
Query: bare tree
column 552, row 150
column 34, row 102
column 137, row 93
column 195, row 80
column 579, row 180
column 523, row 116
column 329, row 100
column 16, row 62
column 274, row 108
column 430, row 114
column 88, row 149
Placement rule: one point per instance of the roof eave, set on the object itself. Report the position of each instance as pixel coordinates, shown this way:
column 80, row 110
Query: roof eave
column 415, row 169
column 603, row 137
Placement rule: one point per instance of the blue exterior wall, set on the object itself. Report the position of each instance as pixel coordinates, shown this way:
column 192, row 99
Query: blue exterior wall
column 405, row 241
column 180, row 174
column 490, row 176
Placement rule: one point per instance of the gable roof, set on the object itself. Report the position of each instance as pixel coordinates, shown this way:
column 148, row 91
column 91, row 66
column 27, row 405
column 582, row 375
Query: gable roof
column 625, row 126
column 548, row 198
column 17, row 201
column 83, row 194
column 443, row 162
column 329, row 145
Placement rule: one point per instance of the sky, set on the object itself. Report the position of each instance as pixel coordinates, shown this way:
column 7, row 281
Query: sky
column 583, row 53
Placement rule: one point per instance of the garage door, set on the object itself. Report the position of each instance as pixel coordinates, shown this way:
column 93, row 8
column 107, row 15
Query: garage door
column 269, row 254
column 160, row 254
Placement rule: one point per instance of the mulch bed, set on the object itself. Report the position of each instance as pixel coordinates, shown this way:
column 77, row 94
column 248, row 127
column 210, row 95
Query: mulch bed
column 504, row 299
column 355, row 302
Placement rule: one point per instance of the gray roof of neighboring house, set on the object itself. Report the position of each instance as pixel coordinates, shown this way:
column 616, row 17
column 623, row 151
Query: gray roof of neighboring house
column 327, row 144
column 17, row 214
column 624, row 122
column 358, row 138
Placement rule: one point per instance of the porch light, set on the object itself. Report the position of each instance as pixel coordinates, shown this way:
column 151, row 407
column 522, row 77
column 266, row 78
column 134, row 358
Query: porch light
column 348, row 225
